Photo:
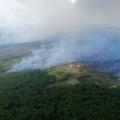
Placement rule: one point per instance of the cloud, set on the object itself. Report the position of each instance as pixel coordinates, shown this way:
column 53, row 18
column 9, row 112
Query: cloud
column 27, row 20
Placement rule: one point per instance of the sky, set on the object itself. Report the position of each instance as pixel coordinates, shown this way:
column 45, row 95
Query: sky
column 31, row 20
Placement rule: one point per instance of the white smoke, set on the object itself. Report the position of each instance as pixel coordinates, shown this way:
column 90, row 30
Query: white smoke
column 100, row 46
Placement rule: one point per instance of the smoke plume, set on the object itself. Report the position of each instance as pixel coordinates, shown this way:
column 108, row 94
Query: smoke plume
column 99, row 46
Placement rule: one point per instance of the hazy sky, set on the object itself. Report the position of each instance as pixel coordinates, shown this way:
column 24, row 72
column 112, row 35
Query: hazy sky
column 26, row 20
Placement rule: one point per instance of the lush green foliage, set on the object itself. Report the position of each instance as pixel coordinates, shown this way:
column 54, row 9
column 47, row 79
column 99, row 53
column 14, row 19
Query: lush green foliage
column 42, row 95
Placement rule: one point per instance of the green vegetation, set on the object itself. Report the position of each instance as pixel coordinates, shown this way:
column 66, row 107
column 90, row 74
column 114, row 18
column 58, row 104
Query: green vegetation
column 13, row 54
column 7, row 61
column 54, row 94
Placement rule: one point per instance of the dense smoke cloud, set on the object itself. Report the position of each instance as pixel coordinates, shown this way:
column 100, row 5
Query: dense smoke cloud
column 98, row 46
column 27, row 20
column 88, row 30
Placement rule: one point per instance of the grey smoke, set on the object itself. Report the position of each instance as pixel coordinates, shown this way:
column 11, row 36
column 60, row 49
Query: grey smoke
column 99, row 46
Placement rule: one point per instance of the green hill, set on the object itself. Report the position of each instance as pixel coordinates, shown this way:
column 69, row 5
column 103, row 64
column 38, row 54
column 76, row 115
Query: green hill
column 66, row 92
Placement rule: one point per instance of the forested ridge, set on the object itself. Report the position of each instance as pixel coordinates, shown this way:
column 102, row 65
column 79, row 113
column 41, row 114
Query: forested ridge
column 59, row 93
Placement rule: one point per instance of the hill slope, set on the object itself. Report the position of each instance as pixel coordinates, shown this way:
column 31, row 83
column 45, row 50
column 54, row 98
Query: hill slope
column 67, row 92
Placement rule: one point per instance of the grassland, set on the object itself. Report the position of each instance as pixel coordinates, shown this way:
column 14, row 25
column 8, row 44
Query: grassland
column 13, row 54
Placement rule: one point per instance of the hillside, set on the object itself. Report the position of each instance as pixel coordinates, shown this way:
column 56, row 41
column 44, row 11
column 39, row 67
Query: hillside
column 66, row 92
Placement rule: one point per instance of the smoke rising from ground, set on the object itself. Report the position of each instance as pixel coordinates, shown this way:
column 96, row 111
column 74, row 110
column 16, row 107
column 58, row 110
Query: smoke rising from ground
column 99, row 46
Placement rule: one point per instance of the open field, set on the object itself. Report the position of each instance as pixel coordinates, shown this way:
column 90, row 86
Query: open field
column 13, row 54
